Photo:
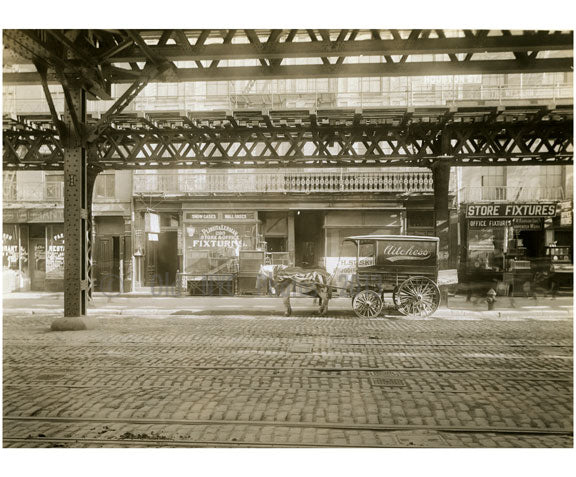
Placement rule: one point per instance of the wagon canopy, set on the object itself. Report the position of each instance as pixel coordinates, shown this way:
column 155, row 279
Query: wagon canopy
column 407, row 252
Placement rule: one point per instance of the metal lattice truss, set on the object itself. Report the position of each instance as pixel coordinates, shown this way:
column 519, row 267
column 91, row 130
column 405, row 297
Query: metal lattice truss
column 97, row 58
column 296, row 138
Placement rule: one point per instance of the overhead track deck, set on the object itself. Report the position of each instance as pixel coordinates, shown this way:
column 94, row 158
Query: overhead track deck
column 458, row 136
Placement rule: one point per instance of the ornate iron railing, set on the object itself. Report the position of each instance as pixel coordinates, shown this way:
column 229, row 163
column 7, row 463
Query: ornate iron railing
column 282, row 182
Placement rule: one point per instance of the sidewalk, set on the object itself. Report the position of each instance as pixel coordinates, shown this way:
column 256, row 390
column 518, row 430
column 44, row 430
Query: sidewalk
column 138, row 304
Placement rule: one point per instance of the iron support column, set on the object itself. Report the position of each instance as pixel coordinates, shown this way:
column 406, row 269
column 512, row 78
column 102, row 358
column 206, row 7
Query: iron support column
column 441, row 179
column 92, row 174
column 75, row 217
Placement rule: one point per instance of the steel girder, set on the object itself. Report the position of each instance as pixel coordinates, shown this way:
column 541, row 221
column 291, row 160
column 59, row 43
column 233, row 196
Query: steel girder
column 329, row 138
column 103, row 57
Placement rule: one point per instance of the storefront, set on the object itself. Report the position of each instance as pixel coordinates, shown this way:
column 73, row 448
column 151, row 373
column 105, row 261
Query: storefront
column 340, row 256
column 507, row 245
column 222, row 251
column 33, row 249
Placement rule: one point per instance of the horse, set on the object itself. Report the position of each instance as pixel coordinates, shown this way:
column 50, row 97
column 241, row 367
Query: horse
column 283, row 279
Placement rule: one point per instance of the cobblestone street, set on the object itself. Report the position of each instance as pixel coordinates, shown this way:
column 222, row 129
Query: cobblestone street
column 246, row 380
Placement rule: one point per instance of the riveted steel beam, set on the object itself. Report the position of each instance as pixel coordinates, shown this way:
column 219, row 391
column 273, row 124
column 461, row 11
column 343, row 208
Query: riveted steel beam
column 480, row 136
column 426, row 68
column 315, row 47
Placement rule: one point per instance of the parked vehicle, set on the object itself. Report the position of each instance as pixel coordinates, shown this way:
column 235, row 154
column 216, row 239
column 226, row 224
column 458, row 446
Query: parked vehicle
column 405, row 265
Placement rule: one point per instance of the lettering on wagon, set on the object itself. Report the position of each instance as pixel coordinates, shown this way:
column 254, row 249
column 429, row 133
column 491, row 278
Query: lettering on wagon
column 393, row 253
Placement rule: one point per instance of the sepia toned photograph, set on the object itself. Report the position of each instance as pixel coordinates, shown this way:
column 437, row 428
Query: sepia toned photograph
column 287, row 238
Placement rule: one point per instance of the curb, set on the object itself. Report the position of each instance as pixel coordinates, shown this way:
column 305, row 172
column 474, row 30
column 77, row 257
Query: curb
column 441, row 314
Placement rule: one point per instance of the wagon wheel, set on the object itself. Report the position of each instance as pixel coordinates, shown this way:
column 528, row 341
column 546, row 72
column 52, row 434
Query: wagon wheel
column 367, row 304
column 418, row 296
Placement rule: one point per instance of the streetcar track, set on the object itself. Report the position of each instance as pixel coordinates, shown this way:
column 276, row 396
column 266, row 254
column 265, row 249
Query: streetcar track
column 312, row 368
column 324, row 342
column 367, row 389
column 310, row 425
column 182, row 443
column 333, row 376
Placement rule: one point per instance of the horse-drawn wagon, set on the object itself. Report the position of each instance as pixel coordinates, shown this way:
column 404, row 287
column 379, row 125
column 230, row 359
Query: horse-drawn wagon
column 406, row 266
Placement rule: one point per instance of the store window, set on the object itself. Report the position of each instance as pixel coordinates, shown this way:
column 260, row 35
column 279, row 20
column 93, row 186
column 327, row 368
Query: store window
column 55, row 257
column 10, row 249
column 486, row 248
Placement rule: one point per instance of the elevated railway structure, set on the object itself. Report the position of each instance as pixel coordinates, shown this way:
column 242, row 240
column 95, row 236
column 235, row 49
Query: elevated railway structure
column 86, row 63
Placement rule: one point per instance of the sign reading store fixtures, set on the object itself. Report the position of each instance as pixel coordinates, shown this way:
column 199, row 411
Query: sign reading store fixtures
column 510, row 210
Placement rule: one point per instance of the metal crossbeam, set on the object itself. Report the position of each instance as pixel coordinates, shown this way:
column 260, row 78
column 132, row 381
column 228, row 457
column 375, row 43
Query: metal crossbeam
column 328, row 138
column 107, row 56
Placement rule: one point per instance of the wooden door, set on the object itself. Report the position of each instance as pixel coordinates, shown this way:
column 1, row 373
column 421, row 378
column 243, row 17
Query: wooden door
column 106, row 265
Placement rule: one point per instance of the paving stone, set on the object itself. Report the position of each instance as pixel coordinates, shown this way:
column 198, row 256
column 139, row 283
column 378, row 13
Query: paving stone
column 230, row 368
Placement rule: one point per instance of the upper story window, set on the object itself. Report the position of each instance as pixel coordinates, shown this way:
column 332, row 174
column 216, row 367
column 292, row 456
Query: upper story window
column 54, row 186
column 551, row 176
column 493, row 182
column 104, row 186
column 9, row 191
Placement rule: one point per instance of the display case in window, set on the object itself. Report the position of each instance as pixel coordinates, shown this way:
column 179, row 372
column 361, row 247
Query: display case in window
column 560, row 259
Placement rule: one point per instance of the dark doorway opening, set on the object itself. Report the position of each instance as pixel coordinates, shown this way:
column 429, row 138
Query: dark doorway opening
column 533, row 241
column 167, row 258
column 275, row 244
column 309, row 238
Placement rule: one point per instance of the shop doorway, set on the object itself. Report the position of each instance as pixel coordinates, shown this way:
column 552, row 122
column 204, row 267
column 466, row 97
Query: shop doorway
column 309, row 238
column 533, row 242
column 162, row 260
column 107, row 264
column 38, row 264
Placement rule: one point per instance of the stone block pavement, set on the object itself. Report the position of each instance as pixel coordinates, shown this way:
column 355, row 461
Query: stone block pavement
column 236, row 373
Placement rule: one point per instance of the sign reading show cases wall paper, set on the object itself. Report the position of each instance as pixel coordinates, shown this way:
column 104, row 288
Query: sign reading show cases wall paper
column 510, row 210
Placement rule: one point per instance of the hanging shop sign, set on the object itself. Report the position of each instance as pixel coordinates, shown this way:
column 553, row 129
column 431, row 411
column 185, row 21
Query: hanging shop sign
column 510, row 210
column 152, row 223
column 565, row 213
